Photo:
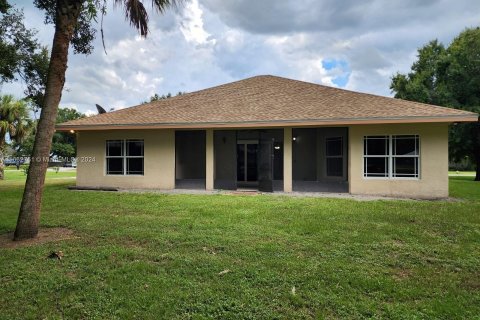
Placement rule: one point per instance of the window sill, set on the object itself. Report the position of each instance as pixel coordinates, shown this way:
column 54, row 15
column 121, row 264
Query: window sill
column 124, row 175
column 392, row 179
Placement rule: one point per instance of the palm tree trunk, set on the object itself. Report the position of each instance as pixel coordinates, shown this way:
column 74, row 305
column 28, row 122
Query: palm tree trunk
column 2, row 165
column 67, row 12
column 2, row 156
column 477, row 149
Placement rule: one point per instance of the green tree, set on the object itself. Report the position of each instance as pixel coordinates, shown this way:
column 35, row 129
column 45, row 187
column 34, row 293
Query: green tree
column 72, row 20
column 21, row 56
column 4, row 6
column 14, row 123
column 64, row 144
column 157, row 97
column 34, row 75
column 449, row 77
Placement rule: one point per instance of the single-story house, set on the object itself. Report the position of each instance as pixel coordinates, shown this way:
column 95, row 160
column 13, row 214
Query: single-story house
column 270, row 133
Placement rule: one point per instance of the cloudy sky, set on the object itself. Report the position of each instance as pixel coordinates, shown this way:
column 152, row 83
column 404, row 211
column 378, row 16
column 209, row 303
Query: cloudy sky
column 357, row 45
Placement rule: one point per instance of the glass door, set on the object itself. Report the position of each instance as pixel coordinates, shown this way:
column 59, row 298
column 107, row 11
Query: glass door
column 265, row 163
column 247, row 170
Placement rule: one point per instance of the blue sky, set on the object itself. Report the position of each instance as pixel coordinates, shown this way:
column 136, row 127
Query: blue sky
column 357, row 45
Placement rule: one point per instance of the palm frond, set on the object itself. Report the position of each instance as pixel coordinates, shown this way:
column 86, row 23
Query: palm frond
column 14, row 118
column 137, row 15
column 162, row 5
column 3, row 128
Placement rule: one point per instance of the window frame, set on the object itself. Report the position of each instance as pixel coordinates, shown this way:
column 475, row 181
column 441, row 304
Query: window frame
column 391, row 157
column 124, row 157
column 384, row 156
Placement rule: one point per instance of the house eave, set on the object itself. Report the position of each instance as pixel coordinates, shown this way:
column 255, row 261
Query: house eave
column 268, row 124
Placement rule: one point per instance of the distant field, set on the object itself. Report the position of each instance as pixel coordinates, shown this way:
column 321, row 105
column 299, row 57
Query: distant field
column 12, row 174
column 462, row 173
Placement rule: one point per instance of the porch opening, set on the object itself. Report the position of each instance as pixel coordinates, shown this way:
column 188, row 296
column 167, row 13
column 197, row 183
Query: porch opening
column 190, row 161
column 320, row 158
column 248, row 159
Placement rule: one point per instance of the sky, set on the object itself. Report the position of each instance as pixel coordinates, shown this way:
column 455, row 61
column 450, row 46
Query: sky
column 351, row 44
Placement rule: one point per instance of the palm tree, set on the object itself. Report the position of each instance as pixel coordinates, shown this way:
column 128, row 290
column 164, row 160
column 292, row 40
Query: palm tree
column 14, row 122
column 67, row 14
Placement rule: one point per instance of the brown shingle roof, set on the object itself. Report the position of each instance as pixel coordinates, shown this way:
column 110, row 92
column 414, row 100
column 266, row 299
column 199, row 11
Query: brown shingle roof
column 269, row 101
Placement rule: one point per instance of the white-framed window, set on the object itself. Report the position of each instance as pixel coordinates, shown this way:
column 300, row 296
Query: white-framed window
column 391, row 156
column 334, row 156
column 124, row 157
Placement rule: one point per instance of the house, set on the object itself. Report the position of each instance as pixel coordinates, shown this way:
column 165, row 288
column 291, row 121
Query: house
column 271, row 133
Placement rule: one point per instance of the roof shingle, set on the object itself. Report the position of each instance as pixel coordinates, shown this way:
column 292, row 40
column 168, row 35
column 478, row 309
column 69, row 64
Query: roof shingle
column 269, row 101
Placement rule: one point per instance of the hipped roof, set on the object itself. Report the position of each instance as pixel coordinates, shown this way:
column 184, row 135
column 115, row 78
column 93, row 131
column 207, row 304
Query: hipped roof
column 268, row 101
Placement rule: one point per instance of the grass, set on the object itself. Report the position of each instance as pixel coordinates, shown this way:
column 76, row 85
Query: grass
column 13, row 175
column 462, row 173
column 154, row 256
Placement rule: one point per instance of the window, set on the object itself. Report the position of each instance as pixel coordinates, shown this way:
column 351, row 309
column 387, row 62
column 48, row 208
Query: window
column 115, row 155
column 334, row 156
column 124, row 157
column 396, row 156
column 405, row 156
column 375, row 159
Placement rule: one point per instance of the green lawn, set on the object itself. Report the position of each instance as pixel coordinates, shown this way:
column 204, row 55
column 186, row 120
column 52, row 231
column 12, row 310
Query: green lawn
column 152, row 256
column 462, row 173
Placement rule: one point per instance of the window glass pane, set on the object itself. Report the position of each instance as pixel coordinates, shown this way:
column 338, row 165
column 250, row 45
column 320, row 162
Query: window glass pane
column 114, row 148
column 135, row 166
column 135, row 148
column 252, row 170
column 376, row 167
column 334, row 146
column 334, row 167
column 376, row 145
column 241, row 162
column 405, row 167
column 114, row 165
column 405, row 145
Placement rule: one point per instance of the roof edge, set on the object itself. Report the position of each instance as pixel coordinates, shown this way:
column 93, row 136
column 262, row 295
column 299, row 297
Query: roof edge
column 278, row 123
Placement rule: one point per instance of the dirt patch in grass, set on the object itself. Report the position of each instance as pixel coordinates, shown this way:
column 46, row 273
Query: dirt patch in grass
column 44, row 235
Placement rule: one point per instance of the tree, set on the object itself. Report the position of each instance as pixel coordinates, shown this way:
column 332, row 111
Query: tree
column 64, row 144
column 35, row 77
column 14, row 122
column 72, row 27
column 449, row 77
column 157, row 97
column 21, row 56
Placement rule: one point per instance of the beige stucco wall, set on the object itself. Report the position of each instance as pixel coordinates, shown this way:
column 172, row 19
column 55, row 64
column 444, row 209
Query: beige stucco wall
column 160, row 160
column 210, row 160
column 159, row 163
column 433, row 181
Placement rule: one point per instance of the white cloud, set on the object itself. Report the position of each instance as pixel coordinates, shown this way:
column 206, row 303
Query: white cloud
column 192, row 24
column 209, row 42
column 90, row 112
